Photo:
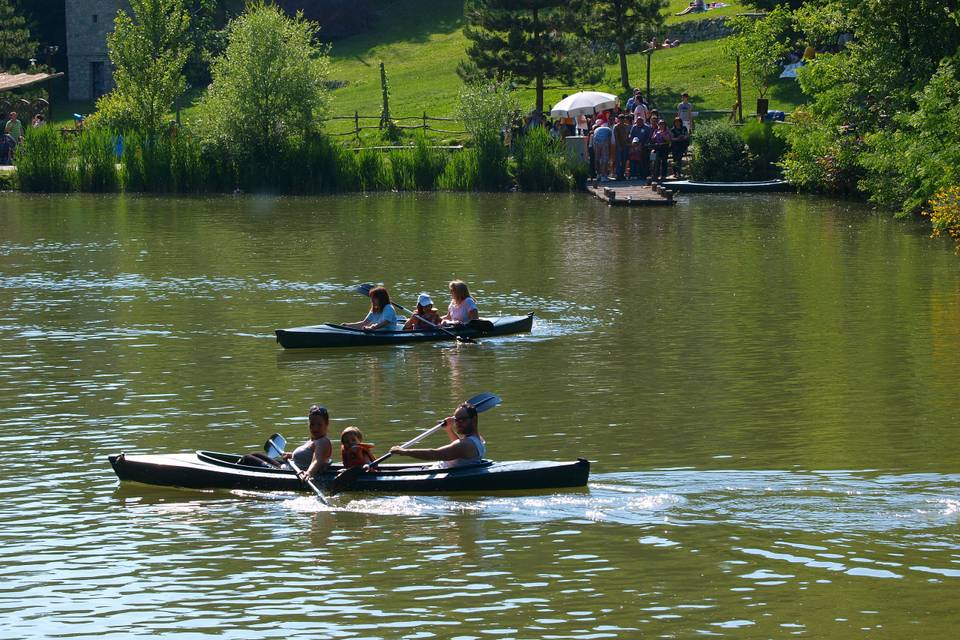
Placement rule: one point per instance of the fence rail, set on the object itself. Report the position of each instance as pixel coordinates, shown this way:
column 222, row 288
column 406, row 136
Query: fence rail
column 423, row 124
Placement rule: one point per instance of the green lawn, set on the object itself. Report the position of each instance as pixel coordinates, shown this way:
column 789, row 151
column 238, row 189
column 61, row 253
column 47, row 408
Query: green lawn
column 676, row 6
column 422, row 45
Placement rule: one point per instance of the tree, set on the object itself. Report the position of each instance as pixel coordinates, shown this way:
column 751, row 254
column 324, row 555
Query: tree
column 270, row 83
column 148, row 58
column 15, row 40
column 529, row 40
column 761, row 44
column 619, row 22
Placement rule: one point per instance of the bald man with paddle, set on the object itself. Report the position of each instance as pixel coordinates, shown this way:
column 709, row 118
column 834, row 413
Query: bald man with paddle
column 466, row 444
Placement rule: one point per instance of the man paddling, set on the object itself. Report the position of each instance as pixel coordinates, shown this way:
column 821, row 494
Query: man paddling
column 466, row 444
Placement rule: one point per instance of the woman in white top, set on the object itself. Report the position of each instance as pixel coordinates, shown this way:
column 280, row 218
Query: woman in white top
column 463, row 308
column 381, row 317
column 466, row 444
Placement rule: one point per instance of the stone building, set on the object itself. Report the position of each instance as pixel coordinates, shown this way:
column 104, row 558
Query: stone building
column 89, row 73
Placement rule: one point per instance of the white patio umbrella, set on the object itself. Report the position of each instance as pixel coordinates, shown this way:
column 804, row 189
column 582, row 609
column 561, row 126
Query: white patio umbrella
column 583, row 103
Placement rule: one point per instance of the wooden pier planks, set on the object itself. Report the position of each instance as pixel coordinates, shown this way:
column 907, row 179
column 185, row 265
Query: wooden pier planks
column 631, row 194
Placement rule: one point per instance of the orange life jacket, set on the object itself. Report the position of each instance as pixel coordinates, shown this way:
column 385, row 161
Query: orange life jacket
column 356, row 456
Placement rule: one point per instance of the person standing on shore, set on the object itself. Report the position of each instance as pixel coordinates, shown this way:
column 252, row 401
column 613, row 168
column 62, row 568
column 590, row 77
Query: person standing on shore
column 602, row 137
column 621, row 138
column 14, row 127
column 685, row 111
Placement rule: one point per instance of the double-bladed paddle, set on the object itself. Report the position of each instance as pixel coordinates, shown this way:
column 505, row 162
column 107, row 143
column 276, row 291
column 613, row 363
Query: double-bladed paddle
column 347, row 477
column 274, row 448
column 365, row 290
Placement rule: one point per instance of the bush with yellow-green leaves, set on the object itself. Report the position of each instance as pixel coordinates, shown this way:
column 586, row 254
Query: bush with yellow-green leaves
column 945, row 214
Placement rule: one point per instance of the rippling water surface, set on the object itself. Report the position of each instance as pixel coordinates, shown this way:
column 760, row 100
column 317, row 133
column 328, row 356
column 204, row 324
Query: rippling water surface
column 765, row 386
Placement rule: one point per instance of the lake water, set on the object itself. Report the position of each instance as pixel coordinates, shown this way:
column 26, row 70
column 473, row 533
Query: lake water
column 766, row 387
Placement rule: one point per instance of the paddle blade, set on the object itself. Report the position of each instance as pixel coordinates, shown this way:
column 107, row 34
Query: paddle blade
column 273, row 447
column 364, row 289
column 484, row 401
column 344, row 479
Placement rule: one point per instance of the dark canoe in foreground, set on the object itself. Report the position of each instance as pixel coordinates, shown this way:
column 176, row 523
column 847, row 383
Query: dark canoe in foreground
column 690, row 186
column 208, row 470
column 335, row 335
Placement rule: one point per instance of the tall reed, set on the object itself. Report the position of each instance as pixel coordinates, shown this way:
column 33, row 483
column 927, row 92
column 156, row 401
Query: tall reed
column 373, row 172
column 43, row 162
column 146, row 163
column 493, row 173
column 541, row 162
column 462, row 172
column 97, row 156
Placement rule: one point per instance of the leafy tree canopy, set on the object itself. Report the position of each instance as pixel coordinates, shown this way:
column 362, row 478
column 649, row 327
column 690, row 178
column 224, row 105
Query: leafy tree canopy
column 270, row 83
column 148, row 51
column 619, row 22
column 529, row 40
column 15, row 40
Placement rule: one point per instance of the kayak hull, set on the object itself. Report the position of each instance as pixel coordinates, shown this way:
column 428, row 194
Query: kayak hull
column 209, row 470
column 334, row 335
column 689, row 186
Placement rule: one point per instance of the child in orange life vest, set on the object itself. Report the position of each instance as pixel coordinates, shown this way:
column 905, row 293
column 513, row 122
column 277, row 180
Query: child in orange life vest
column 353, row 450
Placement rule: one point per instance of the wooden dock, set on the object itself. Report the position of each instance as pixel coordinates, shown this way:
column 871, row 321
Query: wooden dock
column 631, row 193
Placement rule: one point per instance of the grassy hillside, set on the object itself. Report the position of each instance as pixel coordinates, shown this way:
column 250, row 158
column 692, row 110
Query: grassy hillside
column 422, row 42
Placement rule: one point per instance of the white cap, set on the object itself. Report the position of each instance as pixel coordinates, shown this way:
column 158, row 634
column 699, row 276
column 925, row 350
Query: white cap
column 425, row 300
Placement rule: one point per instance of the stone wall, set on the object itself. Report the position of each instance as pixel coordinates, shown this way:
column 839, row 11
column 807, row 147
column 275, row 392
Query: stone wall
column 89, row 73
column 698, row 30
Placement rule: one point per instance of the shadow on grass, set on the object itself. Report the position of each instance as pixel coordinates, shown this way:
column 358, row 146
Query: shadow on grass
column 414, row 21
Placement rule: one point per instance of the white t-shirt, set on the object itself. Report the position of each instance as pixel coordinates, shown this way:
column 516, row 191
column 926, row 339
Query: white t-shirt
column 387, row 314
column 460, row 312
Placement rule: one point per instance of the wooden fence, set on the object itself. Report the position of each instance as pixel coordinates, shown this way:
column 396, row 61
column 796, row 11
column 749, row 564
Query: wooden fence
column 421, row 123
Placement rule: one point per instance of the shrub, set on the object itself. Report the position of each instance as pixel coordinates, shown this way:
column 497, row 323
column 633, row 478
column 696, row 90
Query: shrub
column 908, row 163
column 97, row 161
column 766, row 148
column 270, row 83
column 43, row 161
column 821, row 157
column 719, row 153
column 945, row 214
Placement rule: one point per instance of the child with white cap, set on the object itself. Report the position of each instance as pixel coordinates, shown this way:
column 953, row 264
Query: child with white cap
column 425, row 315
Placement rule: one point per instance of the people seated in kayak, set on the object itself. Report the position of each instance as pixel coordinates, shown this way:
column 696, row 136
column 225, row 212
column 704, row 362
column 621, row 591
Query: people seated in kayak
column 314, row 455
column 466, row 444
column 381, row 317
column 463, row 308
column 354, row 452
column 426, row 316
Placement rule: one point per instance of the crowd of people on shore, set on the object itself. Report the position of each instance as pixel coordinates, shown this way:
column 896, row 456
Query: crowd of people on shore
column 13, row 134
column 637, row 142
column 633, row 142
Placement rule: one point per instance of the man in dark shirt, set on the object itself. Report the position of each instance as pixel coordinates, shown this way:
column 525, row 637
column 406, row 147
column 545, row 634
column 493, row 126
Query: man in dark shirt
column 621, row 137
column 642, row 131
